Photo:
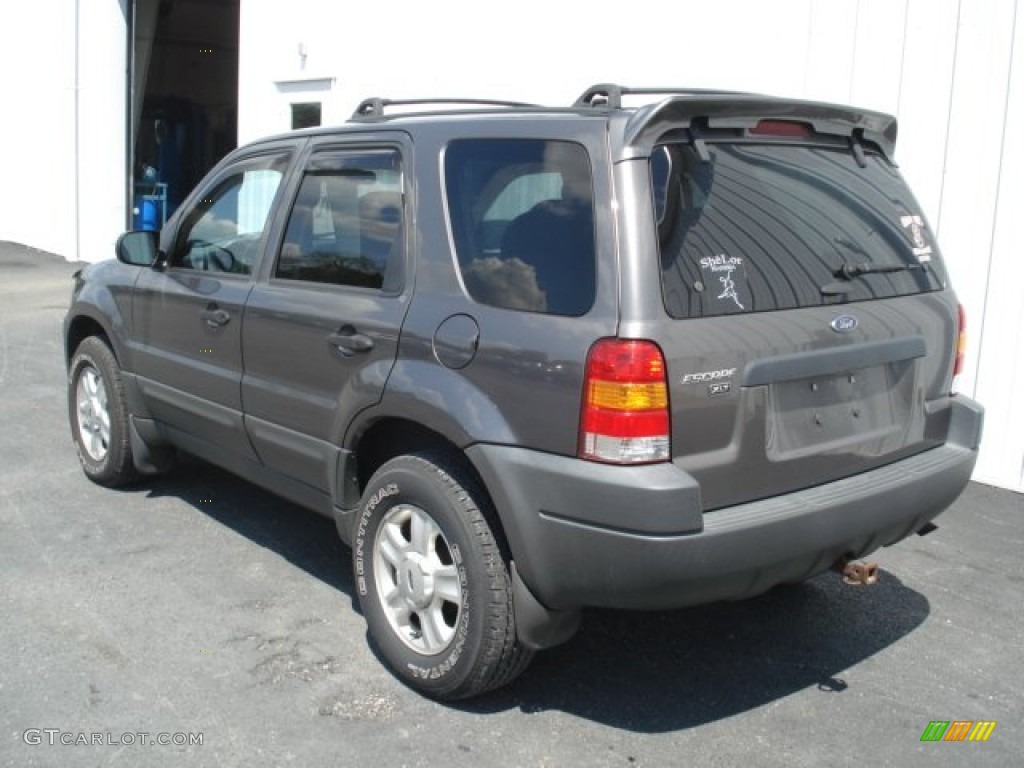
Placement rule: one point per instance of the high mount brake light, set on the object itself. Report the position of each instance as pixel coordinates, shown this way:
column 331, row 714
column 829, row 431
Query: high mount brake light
column 625, row 417
column 784, row 128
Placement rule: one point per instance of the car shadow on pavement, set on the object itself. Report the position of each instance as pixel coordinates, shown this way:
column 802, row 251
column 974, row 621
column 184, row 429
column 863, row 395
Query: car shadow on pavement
column 304, row 538
column 638, row 671
column 655, row 672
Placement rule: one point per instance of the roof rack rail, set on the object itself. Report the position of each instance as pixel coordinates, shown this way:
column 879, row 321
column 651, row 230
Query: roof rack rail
column 609, row 95
column 374, row 107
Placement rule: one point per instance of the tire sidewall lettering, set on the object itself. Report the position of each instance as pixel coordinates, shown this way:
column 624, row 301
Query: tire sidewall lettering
column 359, row 554
column 372, row 511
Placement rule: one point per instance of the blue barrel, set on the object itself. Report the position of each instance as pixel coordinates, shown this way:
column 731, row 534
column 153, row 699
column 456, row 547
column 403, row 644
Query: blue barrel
column 147, row 213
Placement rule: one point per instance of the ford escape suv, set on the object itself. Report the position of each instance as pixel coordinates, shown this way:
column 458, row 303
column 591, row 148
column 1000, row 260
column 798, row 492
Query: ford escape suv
column 536, row 359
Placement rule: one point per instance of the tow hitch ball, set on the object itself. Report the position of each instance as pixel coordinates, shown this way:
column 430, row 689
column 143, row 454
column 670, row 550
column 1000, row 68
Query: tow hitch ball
column 857, row 574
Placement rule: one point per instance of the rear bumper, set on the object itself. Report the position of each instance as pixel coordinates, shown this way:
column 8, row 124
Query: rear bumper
column 584, row 534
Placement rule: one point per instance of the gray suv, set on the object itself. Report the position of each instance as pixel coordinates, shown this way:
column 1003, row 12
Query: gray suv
column 536, row 359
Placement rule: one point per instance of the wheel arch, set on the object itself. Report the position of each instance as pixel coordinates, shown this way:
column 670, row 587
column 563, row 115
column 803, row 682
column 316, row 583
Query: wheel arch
column 385, row 438
column 425, row 407
column 394, row 436
column 80, row 327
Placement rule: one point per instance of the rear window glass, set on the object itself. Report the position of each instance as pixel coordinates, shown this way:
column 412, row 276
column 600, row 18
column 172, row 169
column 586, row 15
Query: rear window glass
column 522, row 215
column 761, row 227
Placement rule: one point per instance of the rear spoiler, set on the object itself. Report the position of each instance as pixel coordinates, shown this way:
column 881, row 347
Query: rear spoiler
column 698, row 111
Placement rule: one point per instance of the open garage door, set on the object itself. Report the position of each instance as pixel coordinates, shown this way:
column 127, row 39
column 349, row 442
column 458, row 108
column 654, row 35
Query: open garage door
column 184, row 99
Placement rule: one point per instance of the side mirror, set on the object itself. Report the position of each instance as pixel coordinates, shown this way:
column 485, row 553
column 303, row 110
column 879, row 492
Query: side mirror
column 139, row 249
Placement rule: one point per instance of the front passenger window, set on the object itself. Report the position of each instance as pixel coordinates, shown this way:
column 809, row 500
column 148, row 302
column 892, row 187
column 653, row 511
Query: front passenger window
column 224, row 230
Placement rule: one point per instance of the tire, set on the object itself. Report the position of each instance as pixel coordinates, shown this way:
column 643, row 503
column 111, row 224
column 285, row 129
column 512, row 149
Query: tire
column 98, row 414
column 423, row 540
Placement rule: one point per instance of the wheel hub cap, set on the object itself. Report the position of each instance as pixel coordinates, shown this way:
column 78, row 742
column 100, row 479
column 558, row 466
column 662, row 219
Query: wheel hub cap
column 416, row 579
column 415, row 582
column 93, row 415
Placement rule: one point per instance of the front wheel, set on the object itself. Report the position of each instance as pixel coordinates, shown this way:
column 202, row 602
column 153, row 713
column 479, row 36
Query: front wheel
column 99, row 415
column 433, row 581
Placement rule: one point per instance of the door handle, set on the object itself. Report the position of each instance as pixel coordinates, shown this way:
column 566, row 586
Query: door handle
column 215, row 317
column 347, row 341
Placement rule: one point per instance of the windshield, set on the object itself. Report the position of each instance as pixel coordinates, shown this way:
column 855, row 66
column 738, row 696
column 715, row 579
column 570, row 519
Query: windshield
column 764, row 227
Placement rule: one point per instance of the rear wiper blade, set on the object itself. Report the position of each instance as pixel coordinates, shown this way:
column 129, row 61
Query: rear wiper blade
column 850, row 271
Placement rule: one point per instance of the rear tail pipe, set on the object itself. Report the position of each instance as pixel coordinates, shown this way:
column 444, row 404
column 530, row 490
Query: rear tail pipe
column 857, row 574
column 866, row 574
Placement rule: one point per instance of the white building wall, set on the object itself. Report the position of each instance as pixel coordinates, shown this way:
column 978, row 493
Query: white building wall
column 998, row 334
column 63, row 126
column 102, row 126
column 37, row 59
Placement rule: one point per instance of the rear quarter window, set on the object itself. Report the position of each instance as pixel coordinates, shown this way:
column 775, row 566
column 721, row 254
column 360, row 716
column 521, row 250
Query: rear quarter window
column 765, row 227
column 522, row 218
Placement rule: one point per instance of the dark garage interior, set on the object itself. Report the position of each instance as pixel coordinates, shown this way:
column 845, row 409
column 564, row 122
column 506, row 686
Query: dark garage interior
column 184, row 96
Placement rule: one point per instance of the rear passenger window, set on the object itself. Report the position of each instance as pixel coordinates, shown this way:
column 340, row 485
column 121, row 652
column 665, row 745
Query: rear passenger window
column 346, row 227
column 522, row 215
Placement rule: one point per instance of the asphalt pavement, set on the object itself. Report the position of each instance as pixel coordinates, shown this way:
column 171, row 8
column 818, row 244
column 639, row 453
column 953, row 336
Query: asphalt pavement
column 198, row 608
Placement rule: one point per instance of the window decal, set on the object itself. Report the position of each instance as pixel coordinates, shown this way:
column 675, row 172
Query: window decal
column 921, row 249
column 723, row 267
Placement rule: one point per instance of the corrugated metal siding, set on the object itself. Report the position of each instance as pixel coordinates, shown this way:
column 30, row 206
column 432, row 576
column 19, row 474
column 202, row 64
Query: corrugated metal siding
column 980, row 204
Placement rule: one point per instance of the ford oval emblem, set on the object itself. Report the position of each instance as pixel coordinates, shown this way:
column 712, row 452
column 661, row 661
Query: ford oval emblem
column 844, row 323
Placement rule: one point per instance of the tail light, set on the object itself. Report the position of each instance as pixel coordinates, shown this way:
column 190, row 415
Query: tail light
column 961, row 344
column 625, row 418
